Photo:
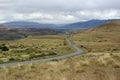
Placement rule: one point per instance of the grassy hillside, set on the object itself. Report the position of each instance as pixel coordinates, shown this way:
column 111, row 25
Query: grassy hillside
column 104, row 38
column 102, row 62
column 34, row 48
column 112, row 26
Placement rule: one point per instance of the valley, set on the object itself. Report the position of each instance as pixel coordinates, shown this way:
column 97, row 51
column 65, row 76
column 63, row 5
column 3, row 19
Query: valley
column 59, row 40
column 100, row 62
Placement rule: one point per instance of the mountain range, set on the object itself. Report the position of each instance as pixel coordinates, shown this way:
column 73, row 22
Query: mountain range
column 85, row 24
column 26, row 24
column 77, row 25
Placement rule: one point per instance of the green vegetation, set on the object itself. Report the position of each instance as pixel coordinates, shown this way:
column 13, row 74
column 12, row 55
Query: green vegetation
column 19, row 33
column 3, row 47
column 102, row 62
column 33, row 48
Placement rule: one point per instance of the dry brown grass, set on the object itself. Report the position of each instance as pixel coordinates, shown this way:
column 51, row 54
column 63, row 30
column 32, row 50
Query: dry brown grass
column 101, row 63
column 91, row 66
column 104, row 38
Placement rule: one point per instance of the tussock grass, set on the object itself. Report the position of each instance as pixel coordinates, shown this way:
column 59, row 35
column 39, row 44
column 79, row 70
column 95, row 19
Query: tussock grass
column 35, row 48
column 101, row 63
column 95, row 66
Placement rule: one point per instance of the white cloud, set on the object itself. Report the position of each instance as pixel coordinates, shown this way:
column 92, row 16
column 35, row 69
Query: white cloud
column 98, row 14
column 58, row 11
column 40, row 17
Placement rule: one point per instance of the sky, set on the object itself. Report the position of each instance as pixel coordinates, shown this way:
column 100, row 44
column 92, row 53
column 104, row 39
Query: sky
column 58, row 11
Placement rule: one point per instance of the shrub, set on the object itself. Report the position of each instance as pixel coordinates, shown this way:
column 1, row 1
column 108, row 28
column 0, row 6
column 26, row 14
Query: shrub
column 3, row 47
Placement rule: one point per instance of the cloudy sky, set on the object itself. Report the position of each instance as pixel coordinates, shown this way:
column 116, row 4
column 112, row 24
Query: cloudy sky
column 58, row 11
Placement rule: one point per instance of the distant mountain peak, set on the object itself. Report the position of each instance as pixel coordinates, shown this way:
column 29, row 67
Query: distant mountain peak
column 78, row 25
column 85, row 24
column 27, row 24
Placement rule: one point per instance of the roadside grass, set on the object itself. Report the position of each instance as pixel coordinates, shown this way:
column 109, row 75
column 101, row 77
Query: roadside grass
column 94, row 66
column 102, row 62
column 35, row 48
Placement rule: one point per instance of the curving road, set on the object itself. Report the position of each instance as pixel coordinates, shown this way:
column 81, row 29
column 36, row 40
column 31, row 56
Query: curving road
column 78, row 52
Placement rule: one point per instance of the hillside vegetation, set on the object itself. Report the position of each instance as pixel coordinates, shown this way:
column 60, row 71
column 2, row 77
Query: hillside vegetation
column 33, row 48
column 90, row 66
column 102, row 62
column 104, row 38
column 8, row 33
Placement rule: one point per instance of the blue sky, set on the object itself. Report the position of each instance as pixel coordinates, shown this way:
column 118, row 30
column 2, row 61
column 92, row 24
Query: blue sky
column 58, row 11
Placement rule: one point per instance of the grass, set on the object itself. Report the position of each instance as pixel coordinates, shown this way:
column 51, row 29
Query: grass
column 102, row 62
column 98, row 41
column 35, row 48
column 94, row 66
column 104, row 38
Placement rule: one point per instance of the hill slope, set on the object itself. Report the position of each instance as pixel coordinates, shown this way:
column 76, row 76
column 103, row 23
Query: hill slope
column 104, row 38
column 109, row 26
column 10, row 33
column 85, row 25
column 25, row 24
column 100, row 65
